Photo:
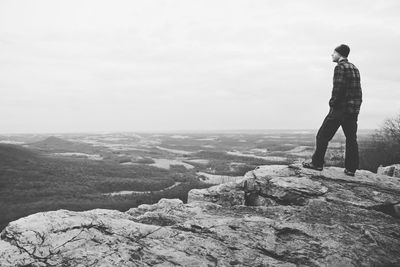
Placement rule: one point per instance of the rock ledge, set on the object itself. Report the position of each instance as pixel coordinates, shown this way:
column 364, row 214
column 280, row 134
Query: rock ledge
column 275, row 216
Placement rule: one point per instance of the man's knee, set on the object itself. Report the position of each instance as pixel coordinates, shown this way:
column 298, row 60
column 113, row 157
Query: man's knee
column 323, row 138
column 325, row 135
column 351, row 141
column 351, row 135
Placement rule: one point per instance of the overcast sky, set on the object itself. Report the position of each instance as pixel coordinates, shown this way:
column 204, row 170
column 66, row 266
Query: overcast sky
column 155, row 65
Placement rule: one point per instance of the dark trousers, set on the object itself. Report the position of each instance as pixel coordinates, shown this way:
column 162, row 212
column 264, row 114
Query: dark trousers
column 329, row 127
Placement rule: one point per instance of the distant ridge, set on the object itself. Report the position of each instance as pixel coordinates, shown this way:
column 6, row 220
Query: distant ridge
column 15, row 153
column 53, row 143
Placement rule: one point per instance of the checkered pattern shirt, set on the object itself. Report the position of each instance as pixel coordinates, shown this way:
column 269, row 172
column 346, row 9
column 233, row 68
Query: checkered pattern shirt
column 346, row 92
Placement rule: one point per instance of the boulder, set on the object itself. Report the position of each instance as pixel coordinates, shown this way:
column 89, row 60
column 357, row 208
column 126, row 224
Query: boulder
column 275, row 216
column 392, row 170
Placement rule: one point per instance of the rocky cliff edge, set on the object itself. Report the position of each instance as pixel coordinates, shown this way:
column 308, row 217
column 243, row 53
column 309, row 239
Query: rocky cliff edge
column 275, row 216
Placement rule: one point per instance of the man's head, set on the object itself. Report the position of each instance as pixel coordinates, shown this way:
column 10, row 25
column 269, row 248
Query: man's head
column 339, row 52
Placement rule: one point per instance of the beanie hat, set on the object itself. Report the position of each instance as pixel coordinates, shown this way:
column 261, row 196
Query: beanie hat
column 343, row 50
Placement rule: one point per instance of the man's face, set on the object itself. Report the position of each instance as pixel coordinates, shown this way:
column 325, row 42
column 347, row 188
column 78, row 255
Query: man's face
column 335, row 56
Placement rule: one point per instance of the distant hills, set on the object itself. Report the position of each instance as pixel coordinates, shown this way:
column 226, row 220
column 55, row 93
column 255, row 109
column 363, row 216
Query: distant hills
column 16, row 154
column 55, row 144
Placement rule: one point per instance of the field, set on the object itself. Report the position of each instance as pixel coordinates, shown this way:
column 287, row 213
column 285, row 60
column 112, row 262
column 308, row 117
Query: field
column 124, row 170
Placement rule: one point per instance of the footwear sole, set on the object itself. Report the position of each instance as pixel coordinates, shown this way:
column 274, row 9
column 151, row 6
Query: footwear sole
column 312, row 168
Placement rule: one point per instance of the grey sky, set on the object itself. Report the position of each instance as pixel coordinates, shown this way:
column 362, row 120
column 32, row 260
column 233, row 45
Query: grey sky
column 78, row 66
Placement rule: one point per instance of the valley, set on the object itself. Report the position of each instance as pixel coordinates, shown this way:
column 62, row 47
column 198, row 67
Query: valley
column 45, row 172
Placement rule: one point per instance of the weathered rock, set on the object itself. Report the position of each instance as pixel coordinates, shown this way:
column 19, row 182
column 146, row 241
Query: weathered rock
column 392, row 170
column 65, row 238
column 228, row 194
column 294, row 185
column 300, row 217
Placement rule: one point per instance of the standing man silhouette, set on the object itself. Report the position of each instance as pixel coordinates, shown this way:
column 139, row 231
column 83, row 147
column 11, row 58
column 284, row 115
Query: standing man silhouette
column 344, row 109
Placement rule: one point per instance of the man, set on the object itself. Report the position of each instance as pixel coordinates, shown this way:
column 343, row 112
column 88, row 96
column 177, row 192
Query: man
column 344, row 108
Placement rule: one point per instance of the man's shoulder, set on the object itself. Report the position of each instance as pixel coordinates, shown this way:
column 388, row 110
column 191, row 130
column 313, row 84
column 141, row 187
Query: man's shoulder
column 344, row 64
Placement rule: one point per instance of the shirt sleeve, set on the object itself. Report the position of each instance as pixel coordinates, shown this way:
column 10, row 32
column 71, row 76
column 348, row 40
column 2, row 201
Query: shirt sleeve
column 338, row 90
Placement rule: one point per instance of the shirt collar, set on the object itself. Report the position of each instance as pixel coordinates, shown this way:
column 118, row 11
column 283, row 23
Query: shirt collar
column 343, row 60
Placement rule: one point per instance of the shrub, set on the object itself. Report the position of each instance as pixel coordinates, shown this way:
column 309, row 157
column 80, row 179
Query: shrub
column 383, row 147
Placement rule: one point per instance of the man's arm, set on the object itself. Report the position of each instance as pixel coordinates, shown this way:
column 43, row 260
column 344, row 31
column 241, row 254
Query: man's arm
column 338, row 90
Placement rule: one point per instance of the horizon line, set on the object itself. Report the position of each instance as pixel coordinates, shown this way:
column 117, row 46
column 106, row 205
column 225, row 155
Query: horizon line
column 175, row 131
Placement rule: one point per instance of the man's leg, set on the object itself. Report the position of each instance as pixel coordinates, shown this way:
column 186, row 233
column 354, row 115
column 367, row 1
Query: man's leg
column 349, row 127
column 324, row 135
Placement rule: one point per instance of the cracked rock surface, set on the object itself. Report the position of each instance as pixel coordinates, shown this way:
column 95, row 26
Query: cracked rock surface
column 275, row 216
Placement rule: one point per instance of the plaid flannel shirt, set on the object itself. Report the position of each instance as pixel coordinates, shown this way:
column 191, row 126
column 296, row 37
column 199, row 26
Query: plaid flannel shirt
column 346, row 92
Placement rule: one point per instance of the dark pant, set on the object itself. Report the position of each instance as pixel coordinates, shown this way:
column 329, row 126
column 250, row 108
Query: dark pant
column 331, row 124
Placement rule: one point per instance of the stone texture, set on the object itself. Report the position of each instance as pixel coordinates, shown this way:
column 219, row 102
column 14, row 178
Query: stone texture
column 276, row 216
column 392, row 170
column 294, row 185
column 229, row 194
